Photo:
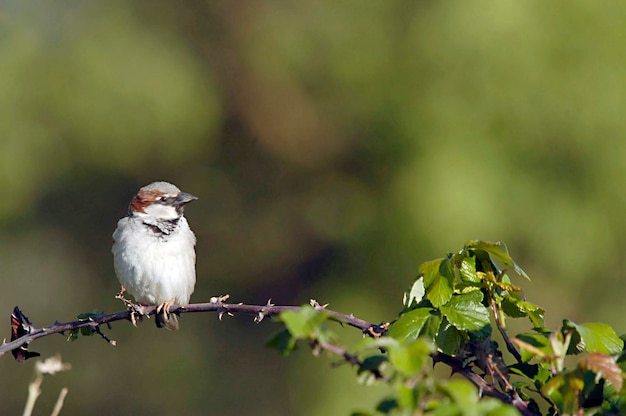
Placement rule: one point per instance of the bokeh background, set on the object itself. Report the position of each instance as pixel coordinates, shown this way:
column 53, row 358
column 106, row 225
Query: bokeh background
column 334, row 146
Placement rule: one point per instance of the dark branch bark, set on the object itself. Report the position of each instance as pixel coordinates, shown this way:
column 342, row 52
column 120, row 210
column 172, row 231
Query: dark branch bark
column 485, row 388
column 27, row 332
column 32, row 333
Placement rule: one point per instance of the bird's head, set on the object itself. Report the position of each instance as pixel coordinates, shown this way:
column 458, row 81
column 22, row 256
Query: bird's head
column 160, row 200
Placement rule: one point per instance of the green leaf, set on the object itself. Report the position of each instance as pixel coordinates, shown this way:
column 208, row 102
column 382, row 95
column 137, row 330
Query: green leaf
column 304, row 322
column 515, row 307
column 372, row 363
column 407, row 397
column 440, row 290
column 539, row 341
column 462, row 392
column 414, row 323
column 466, row 312
column 73, row 335
column 468, row 270
column 449, row 338
column 538, row 373
column 489, row 406
column 409, row 359
column 594, row 337
column 88, row 315
column 497, row 249
column 283, row 342
column 387, row 405
column 415, row 294
column 429, row 270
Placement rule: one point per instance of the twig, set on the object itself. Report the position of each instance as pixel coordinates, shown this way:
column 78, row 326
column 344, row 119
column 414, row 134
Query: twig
column 500, row 325
column 347, row 357
column 485, row 388
column 258, row 311
column 50, row 365
column 59, row 403
column 34, row 391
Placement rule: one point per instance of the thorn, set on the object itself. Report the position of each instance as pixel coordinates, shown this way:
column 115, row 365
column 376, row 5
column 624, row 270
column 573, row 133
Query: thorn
column 259, row 317
column 219, row 299
column 221, row 310
column 315, row 304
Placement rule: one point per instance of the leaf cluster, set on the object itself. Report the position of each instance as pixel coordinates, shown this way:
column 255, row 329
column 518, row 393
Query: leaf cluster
column 455, row 314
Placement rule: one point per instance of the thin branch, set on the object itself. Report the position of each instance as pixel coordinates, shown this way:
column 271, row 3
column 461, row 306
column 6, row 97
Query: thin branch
column 500, row 325
column 258, row 311
column 485, row 388
column 59, row 403
column 347, row 357
column 34, row 391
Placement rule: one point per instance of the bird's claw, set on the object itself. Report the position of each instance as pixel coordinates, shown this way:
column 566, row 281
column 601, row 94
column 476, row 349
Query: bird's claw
column 164, row 308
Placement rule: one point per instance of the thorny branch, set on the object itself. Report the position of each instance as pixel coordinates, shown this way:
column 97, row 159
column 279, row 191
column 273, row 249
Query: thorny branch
column 27, row 332
column 24, row 333
column 485, row 388
column 347, row 357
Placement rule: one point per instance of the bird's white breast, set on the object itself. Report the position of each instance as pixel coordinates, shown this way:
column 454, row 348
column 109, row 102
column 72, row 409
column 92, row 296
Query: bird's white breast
column 155, row 269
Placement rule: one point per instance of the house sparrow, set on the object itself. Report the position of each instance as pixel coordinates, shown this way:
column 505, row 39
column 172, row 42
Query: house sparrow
column 153, row 251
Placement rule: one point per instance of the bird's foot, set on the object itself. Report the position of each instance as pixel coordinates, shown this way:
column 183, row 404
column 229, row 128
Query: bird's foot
column 164, row 319
column 164, row 309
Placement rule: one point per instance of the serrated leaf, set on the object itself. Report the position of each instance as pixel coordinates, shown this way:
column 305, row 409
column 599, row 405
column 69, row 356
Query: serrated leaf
column 440, row 290
column 304, row 322
column 595, row 337
column 466, row 312
column 410, row 325
column 429, row 270
column 415, row 294
column 448, row 338
column 510, row 306
column 499, row 250
column 535, row 314
column 517, row 308
column 467, row 270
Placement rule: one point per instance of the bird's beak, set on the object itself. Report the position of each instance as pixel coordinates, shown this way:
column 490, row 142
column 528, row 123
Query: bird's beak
column 184, row 198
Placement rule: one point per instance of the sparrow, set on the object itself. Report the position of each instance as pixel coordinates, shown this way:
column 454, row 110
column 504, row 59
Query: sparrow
column 153, row 250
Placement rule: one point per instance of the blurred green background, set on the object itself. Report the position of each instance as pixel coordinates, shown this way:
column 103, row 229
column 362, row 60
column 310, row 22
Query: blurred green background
column 334, row 146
